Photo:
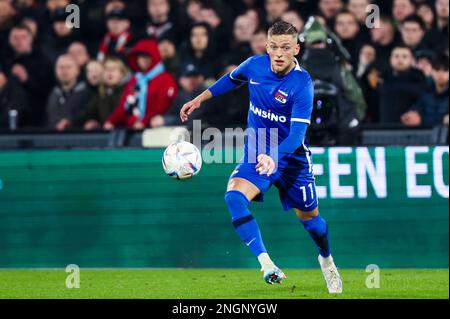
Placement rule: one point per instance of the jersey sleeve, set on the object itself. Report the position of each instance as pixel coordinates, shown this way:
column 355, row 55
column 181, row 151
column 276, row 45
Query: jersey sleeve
column 230, row 81
column 300, row 119
column 241, row 73
column 303, row 104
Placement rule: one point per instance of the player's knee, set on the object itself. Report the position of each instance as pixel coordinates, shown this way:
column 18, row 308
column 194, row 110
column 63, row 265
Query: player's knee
column 236, row 200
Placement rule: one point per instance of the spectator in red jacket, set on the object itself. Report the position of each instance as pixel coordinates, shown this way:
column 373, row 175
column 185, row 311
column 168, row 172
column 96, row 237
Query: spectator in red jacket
column 149, row 93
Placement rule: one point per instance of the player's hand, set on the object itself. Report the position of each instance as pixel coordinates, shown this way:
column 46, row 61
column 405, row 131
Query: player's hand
column 266, row 165
column 188, row 108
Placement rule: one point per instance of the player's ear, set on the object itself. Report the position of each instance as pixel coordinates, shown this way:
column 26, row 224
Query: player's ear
column 297, row 49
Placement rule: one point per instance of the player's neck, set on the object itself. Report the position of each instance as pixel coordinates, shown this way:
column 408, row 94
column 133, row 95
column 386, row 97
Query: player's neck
column 286, row 71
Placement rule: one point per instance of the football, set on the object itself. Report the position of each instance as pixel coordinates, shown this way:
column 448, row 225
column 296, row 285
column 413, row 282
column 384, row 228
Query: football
column 182, row 160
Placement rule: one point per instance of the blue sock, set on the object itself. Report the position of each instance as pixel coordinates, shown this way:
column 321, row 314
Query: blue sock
column 244, row 223
column 318, row 230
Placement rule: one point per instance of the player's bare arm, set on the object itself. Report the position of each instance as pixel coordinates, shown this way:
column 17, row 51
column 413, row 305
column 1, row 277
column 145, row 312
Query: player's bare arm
column 194, row 104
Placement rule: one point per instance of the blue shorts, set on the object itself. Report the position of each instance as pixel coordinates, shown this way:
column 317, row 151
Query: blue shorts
column 295, row 183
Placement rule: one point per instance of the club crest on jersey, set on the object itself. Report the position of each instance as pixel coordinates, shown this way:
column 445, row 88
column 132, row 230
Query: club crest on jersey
column 281, row 97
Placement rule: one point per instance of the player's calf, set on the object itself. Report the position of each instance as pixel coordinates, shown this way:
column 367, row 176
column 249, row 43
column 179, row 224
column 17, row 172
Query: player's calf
column 244, row 223
column 318, row 230
column 317, row 227
column 248, row 230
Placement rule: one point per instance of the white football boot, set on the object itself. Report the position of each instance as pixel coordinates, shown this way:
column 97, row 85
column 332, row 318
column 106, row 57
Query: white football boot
column 331, row 275
column 273, row 275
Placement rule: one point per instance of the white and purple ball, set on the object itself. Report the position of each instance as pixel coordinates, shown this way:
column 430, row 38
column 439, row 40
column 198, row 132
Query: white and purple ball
column 182, row 160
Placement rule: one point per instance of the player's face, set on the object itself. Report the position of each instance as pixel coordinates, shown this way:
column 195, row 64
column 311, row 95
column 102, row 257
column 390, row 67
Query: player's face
column 282, row 50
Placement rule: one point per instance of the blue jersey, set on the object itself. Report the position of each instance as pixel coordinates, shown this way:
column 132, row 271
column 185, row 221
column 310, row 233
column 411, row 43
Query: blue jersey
column 275, row 104
column 279, row 114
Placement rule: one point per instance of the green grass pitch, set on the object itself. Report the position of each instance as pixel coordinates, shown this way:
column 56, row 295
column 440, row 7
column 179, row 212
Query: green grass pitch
column 219, row 283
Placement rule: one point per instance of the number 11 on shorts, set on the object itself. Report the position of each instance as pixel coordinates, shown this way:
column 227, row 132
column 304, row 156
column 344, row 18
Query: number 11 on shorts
column 303, row 189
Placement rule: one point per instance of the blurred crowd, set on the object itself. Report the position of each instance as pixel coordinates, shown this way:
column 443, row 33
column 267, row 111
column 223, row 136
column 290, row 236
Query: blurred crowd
column 135, row 63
